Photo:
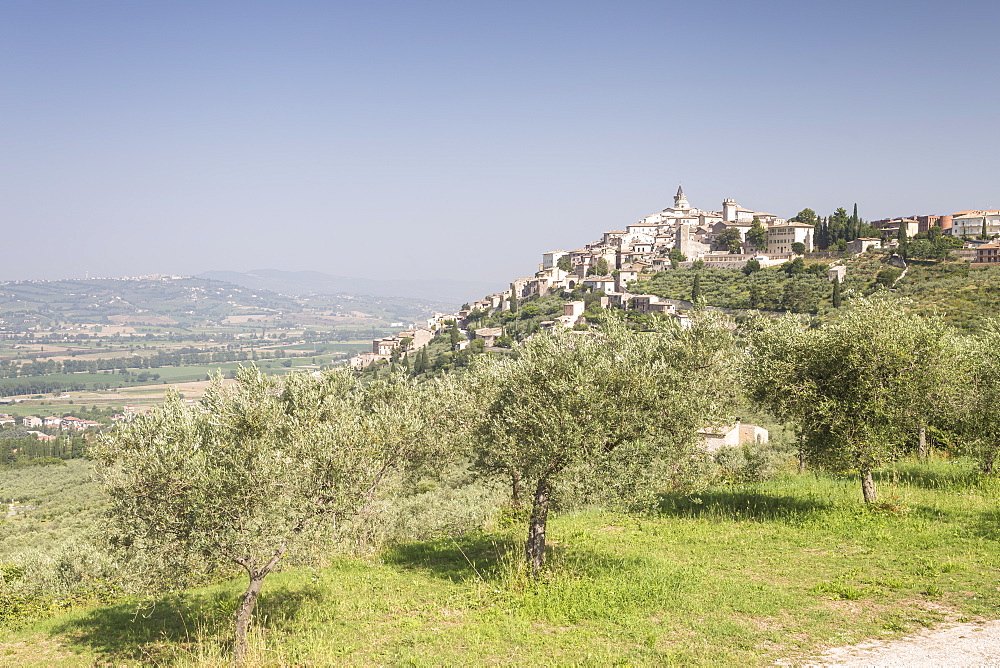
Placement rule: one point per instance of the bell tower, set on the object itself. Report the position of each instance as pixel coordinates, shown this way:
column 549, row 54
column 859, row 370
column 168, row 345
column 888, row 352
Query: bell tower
column 680, row 202
column 729, row 210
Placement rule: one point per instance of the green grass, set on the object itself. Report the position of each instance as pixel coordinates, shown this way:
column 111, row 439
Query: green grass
column 741, row 575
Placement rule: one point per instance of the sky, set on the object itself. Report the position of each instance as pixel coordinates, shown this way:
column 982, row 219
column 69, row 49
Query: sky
column 431, row 139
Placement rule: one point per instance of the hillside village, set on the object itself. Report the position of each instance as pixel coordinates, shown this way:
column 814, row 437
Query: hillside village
column 678, row 237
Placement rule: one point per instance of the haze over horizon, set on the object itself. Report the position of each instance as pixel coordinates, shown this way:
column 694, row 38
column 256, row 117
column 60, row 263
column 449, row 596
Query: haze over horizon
column 461, row 140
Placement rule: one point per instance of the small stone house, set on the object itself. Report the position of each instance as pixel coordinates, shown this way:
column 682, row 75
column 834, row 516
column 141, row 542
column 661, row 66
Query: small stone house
column 731, row 436
column 489, row 335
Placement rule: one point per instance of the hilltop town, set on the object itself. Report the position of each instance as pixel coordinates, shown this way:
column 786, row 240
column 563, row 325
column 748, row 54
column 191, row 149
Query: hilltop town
column 680, row 236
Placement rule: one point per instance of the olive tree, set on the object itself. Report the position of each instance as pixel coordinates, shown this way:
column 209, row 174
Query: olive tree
column 857, row 387
column 566, row 398
column 976, row 394
column 243, row 475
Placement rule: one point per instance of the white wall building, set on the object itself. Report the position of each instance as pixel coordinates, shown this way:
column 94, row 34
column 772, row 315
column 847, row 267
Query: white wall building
column 970, row 223
column 781, row 237
column 551, row 258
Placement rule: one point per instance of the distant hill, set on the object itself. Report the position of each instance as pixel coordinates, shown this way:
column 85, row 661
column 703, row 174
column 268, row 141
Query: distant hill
column 183, row 301
column 133, row 301
column 300, row 283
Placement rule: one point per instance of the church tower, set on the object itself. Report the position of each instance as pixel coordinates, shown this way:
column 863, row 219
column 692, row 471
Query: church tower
column 729, row 214
column 680, row 202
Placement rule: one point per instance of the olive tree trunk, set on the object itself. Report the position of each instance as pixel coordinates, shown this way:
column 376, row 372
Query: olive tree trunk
column 243, row 616
column 244, row 613
column 534, row 548
column 868, row 485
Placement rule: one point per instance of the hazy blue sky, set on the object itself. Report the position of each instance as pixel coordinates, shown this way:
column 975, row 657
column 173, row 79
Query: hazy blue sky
column 430, row 138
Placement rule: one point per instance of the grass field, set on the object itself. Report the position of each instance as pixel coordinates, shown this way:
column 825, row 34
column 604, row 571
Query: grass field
column 736, row 575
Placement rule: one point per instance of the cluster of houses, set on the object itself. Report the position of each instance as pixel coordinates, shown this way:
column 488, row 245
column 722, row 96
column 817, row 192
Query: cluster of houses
column 413, row 339
column 408, row 340
column 979, row 227
column 970, row 223
column 619, row 257
column 69, row 422
column 622, row 256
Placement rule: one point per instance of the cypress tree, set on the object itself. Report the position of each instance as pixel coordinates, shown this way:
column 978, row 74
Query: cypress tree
column 696, row 287
column 903, row 240
column 420, row 362
column 836, row 292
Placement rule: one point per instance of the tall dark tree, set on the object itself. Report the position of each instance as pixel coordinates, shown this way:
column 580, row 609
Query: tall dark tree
column 807, row 216
column 729, row 239
column 855, row 226
column 757, row 235
column 837, row 225
column 836, row 292
column 696, row 288
column 599, row 268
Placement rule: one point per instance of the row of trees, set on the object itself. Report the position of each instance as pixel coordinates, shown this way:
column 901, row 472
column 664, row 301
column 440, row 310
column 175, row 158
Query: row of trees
column 19, row 448
column 930, row 245
column 268, row 461
column 15, row 369
column 265, row 462
column 864, row 388
column 835, row 230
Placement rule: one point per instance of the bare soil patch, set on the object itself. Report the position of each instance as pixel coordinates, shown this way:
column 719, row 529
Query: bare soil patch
column 969, row 644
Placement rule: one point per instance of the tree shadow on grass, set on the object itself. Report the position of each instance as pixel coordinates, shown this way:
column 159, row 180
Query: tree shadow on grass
column 931, row 513
column 471, row 557
column 735, row 504
column 987, row 525
column 149, row 632
column 171, row 627
column 492, row 559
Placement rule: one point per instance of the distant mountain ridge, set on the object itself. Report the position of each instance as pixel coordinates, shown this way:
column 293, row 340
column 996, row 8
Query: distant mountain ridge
column 300, row 283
